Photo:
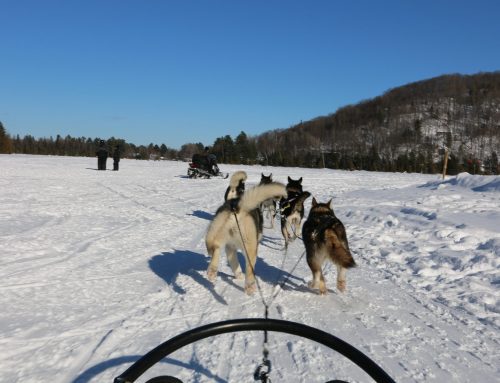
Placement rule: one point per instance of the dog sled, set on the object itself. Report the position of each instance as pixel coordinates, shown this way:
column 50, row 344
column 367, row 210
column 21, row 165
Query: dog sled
column 263, row 370
column 201, row 166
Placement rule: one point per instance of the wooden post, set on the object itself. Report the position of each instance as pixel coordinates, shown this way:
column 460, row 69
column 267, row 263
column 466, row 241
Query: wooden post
column 445, row 163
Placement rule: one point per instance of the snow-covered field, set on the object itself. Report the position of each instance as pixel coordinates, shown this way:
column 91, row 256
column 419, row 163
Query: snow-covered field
column 97, row 268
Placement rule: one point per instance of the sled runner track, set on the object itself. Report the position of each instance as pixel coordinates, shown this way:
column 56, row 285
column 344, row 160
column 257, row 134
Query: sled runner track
column 65, row 282
column 133, row 199
column 56, row 259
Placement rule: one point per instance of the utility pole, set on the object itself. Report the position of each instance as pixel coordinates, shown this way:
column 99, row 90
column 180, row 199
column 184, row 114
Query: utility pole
column 447, row 139
column 445, row 162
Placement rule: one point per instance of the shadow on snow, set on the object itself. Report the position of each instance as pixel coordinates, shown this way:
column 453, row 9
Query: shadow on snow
column 170, row 265
column 202, row 214
column 94, row 371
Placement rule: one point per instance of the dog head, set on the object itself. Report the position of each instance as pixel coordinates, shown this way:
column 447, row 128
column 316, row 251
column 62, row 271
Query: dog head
column 321, row 207
column 266, row 179
column 294, row 186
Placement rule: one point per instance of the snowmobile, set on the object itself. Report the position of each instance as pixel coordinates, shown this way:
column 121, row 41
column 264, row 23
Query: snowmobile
column 263, row 370
column 202, row 166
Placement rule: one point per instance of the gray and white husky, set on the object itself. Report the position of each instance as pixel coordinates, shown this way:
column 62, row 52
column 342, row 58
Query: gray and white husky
column 237, row 225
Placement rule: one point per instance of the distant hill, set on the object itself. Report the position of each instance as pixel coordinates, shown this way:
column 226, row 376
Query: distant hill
column 405, row 129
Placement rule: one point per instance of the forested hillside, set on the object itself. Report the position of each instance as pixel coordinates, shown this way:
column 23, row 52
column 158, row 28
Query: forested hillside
column 405, row 129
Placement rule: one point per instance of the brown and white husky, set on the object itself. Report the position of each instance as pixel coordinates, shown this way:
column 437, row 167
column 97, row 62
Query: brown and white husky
column 325, row 238
column 237, row 225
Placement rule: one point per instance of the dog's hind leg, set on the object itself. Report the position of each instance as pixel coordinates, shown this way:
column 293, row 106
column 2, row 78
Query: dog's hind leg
column 341, row 278
column 232, row 258
column 272, row 211
column 294, row 222
column 251, row 258
column 318, row 280
column 213, row 266
column 284, row 231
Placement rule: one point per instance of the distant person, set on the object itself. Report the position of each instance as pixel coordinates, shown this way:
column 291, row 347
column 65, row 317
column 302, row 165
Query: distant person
column 102, row 156
column 212, row 161
column 116, row 157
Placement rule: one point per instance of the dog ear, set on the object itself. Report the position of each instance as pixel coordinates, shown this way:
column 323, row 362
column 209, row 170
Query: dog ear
column 270, row 175
column 329, row 203
column 289, row 179
column 314, row 202
column 300, row 180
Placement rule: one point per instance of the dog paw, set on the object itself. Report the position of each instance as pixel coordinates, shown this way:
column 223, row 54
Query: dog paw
column 211, row 274
column 238, row 275
column 323, row 291
column 312, row 285
column 250, row 288
column 341, row 285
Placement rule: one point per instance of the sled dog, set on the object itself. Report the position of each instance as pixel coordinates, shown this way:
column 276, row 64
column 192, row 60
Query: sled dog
column 325, row 238
column 237, row 225
column 236, row 186
column 292, row 209
column 269, row 205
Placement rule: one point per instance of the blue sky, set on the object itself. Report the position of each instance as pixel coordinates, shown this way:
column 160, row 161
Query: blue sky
column 179, row 71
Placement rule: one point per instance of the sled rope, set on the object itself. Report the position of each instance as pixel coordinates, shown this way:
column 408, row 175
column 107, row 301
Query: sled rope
column 266, row 305
column 263, row 369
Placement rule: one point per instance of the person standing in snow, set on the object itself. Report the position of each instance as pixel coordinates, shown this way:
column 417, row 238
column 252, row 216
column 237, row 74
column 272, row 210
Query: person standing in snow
column 102, row 156
column 116, row 157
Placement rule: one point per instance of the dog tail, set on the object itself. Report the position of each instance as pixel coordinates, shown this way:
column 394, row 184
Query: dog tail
column 258, row 194
column 236, row 178
column 342, row 255
column 302, row 197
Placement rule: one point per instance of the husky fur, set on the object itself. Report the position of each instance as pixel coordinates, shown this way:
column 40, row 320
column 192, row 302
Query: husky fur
column 325, row 238
column 292, row 209
column 236, row 186
column 236, row 226
column 269, row 205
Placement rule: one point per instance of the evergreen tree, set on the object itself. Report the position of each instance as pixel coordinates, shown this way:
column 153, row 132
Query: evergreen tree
column 242, row 148
column 5, row 141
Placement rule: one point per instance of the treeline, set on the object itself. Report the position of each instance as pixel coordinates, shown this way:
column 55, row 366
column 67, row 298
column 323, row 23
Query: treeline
column 79, row 146
column 406, row 129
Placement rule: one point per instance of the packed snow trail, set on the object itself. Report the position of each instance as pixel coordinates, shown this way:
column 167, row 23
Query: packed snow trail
column 98, row 268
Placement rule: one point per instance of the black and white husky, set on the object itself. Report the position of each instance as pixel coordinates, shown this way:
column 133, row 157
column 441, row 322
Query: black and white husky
column 292, row 209
column 268, row 207
column 325, row 238
column 237, row 225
